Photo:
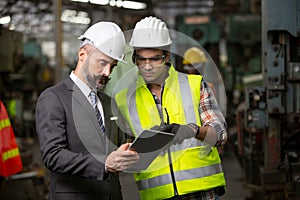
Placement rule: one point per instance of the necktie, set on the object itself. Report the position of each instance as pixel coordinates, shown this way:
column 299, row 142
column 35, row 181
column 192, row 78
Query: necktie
column 98, row 115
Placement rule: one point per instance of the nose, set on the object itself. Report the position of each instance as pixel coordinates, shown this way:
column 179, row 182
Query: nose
column 147, row 61
column 106, row 71
column 147, row 66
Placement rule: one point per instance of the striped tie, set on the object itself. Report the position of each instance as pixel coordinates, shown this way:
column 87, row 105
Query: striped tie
column 98, row 115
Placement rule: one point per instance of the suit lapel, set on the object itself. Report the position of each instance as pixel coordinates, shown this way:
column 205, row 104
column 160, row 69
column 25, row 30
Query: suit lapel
column 112, row 132
column 81, row 100
column 89, row 118
column 85, row 122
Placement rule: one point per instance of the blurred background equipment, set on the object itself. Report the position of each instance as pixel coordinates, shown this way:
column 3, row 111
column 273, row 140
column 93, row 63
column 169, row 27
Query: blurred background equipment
column 268, row 122
column 10, row 162
column 254, row 45
column 194, row 60
column 22, row 76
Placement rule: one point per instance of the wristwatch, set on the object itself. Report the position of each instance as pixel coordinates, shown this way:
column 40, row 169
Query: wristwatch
column 195, row 127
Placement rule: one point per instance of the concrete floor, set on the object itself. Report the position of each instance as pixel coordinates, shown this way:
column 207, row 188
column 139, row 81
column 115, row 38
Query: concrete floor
column 236, row 186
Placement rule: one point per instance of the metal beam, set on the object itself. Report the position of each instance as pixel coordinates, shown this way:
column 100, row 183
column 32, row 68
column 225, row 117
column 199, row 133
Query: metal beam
column 58, row 39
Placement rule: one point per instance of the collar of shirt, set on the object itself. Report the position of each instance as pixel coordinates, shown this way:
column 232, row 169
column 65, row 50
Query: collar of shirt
column 85, row 89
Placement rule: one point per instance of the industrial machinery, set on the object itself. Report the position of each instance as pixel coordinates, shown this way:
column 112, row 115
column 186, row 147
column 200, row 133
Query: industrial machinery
column 22, row 77
column 268, row 123
column 244, row 52
column 202, row 29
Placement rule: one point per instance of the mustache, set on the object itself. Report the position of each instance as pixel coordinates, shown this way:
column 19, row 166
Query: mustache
column 104, row 79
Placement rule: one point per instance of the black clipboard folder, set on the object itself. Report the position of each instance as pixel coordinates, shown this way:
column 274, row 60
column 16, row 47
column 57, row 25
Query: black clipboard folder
column 148, row 145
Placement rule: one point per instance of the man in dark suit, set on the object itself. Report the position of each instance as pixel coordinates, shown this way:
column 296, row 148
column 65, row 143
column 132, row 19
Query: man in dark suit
column 77, row 147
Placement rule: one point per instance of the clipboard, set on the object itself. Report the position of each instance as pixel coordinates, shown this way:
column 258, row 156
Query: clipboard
column 148, row 145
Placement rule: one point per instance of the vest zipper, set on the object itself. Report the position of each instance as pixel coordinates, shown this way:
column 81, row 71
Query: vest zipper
column 172, row 173
column 169, row 154
column 160, row 110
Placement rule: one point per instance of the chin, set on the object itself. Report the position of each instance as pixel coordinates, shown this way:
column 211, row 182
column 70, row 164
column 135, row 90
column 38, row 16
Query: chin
column 152, row 81
column 148, row 79
column 100, row 88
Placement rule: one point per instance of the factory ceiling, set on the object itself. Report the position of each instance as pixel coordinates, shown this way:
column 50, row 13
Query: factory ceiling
column 35, row 18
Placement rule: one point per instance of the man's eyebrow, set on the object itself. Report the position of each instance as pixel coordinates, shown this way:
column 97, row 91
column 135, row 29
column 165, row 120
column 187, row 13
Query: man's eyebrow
column 103, row 60
column 113, row 62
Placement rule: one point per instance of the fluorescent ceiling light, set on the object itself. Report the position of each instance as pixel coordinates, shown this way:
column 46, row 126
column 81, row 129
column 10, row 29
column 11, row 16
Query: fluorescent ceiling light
column 100, row 2
column 5, row 20
column 12, row 27
column 73, row 16
column 119, row 3
column 134, row 5
column 83, row 1
column 112, row 3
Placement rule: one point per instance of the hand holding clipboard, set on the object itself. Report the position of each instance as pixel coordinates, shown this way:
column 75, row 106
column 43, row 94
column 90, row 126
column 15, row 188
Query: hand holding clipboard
column 148, row 145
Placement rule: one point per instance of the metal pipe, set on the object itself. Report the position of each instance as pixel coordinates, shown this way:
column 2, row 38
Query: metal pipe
column 27, row 175
column 57, row 26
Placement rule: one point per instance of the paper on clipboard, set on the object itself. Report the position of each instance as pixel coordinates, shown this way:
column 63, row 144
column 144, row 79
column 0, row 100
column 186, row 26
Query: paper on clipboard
column 149, row 144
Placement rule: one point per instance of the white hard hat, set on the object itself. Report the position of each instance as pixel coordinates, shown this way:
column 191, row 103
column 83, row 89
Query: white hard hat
column 108, row 38
column 150, row 32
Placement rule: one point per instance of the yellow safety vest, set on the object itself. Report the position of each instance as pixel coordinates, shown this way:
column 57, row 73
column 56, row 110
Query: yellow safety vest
column 196, row 167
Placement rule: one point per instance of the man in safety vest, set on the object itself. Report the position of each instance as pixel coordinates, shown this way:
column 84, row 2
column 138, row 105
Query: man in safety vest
column 161, row 98
column 10, row 158
column 196, row 61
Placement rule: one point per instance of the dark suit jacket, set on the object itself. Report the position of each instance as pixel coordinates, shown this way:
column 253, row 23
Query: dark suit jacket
column 73, row 146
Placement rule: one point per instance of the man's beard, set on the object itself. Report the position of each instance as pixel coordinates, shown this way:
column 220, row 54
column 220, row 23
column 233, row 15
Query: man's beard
column 103, row 80
column 92, row 80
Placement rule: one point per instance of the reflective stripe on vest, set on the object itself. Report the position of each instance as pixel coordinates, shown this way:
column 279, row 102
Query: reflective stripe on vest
column 10, row 160
column 4, row 124
column 183, row 175
column 189, row 111
column 196, row 166
column 10, row 154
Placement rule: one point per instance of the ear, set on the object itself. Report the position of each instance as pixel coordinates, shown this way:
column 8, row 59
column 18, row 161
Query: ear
column 167, row 57
column 133, row 56
column 82, row 54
